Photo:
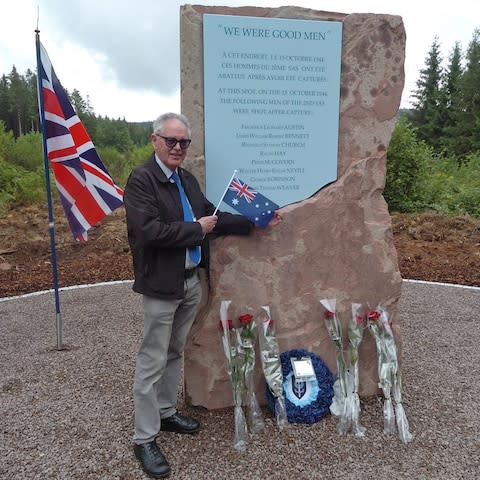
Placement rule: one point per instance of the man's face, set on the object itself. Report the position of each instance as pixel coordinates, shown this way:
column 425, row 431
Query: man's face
column 172, row 157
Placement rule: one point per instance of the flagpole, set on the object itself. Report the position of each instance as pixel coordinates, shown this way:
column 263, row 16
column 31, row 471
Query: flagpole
column 51, row 223
column 225, row 191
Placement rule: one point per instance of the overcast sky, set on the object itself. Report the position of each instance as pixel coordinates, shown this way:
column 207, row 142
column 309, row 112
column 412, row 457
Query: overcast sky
column 124, row 54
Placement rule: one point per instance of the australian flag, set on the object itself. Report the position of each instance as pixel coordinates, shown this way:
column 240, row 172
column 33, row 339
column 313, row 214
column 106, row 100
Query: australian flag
column 85, row 188
column 251, row 204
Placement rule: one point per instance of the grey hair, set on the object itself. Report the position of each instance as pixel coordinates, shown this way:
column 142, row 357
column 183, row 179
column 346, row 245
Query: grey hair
column 158, row 123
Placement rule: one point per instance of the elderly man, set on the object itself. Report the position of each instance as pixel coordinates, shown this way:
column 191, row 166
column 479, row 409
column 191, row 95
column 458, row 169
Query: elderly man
column 168, row 218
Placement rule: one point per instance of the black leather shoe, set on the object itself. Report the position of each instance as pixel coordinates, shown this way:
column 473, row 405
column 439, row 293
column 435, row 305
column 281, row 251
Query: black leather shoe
column 152, row 460
column 180, row 424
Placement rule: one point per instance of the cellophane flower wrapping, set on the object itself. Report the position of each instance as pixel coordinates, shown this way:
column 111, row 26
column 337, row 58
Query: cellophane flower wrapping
column 389, row 374
column 340, row 408
column 271, row 363
column 246, row 340
column 385, row 370
column 356, row 327
column 234, row 370
column 391, row 349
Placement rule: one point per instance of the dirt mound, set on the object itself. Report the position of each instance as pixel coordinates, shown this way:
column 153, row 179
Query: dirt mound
column 437, row 228
column 25, row 260
column 429, row 247
column 438, row 247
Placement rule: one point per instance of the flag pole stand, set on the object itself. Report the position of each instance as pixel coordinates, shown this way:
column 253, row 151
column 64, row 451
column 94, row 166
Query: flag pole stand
column 59, row 330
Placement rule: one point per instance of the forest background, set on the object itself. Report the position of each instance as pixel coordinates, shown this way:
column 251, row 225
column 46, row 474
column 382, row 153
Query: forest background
column 433, row 160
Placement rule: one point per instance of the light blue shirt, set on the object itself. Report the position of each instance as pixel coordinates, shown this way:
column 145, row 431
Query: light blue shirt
column 168, row 173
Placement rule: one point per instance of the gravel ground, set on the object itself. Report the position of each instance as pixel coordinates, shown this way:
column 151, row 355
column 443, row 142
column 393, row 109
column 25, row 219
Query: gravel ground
column 68, row 414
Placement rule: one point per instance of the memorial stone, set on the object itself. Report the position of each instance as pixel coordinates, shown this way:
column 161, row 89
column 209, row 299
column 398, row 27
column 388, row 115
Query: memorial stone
column 338, row 243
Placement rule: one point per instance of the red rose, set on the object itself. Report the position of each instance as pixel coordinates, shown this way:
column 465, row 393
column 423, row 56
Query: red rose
column 328, row 314
column 245, row 319
column 373, row 316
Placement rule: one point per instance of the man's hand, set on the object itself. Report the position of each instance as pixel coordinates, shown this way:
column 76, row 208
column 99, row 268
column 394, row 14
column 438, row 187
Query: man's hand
column 208, row 223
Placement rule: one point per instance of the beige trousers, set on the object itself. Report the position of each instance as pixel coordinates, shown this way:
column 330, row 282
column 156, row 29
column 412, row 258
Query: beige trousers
column 160, row 358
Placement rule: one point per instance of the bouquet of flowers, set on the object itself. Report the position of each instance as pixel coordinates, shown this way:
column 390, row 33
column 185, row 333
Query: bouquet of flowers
column 346, row 402
column 246, row 336
column 342, row 384
column 389, row 373
column 356, row 327
column 385, row 370
column 234, row 370
column 271, row 364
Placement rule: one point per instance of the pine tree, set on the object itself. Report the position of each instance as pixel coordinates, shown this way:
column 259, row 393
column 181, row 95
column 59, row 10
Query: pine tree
column 19, row 103
column 426, row 116
column 32, row 109
column 469, row 116
column 452, row 100
column 5, row 103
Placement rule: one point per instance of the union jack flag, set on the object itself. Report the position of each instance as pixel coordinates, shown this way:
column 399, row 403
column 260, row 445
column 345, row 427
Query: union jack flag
column 249, row 202
column 242, row 189
column 85, row 188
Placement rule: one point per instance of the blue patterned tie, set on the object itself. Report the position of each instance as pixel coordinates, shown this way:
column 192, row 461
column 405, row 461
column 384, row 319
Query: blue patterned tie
column 194, row 252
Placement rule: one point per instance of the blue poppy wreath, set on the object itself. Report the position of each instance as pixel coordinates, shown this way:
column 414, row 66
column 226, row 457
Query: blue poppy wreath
column 305, row 401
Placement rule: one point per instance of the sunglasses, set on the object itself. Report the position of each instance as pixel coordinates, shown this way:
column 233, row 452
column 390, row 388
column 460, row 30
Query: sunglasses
column 171, row 142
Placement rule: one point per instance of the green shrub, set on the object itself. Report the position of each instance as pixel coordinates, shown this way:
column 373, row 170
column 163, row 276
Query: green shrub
column 452, row 188
column 20, row 186
column 27, row 151
column 6, row 141
column 406, row 160
column 119, row 165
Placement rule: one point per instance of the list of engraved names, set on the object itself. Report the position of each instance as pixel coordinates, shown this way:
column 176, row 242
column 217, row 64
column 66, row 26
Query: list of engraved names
column 293, row 89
